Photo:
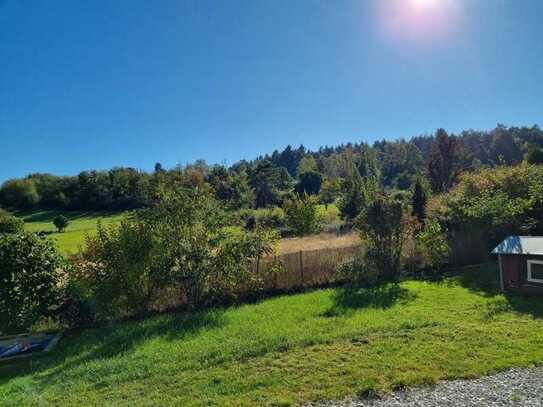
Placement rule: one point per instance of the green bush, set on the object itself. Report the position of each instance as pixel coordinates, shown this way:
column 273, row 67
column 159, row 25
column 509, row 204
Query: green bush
column 384, row 228
column 499, row 202
column 301, row 214
column 61, row 222
column 77, row 308
column 272, row 218
column 10, row 223
column 183, row 242
column 435, row 249
column 357, row 272
column 30, row 274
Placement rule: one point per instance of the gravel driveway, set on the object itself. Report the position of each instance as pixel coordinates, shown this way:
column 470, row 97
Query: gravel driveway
column 516, row 387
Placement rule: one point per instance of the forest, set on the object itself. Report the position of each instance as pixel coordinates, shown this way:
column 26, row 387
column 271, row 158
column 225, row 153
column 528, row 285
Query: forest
column 433, row 161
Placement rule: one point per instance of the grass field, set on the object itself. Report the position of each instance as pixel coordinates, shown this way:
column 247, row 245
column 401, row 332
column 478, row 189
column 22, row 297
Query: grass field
column 81, row 223
column 287, row 350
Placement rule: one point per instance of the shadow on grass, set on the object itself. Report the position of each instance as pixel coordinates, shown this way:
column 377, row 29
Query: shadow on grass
column 348, row 300
column 484, row 279
column 106, row 342
column 49, row 216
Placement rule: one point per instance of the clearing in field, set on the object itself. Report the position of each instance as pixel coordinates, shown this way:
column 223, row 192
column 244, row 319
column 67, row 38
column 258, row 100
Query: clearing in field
column 323, row 344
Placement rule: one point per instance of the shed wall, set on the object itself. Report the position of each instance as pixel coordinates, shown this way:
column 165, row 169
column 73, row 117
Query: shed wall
column 515, row 274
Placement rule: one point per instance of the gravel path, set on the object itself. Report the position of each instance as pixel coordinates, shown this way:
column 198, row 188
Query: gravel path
column 516, row 387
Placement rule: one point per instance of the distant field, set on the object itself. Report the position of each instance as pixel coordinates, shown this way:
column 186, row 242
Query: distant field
column 81, row 224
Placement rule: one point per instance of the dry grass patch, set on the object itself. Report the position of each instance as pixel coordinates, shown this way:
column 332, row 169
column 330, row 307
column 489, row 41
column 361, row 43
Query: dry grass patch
column 316, row 242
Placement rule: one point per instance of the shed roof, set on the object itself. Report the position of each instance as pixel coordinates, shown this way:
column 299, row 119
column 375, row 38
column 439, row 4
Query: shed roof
column 520, row 245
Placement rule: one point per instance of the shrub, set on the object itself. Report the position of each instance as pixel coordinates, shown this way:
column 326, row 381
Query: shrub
column 181, row 241
column 357, row 272
column 384, row 228
column 435, row 248
column 61, row 222
column 301, row 214
column 272, row 218
column 77, row 309
column 10, row 223
column 115, row 268
column 30, row 274
column 500, row 201
column 428, row 251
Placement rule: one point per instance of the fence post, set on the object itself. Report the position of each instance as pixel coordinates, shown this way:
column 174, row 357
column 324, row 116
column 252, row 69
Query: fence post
column 302, row 268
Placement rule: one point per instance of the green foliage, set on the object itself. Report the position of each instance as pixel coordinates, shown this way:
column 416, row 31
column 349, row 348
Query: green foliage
column 181, row 241
column 307, row 164
column 61, row 222
column 498, row 202
column 287, row 348
column 383, row 229
column 444, row 163
column 115, row 268
column 419, row 200
column 310, row 183
column 77, row 308
column 433, row 246
column 301, row 214
column 265, row 179
column 268, row 218
column 10, row 223
column 401, row 163
column 231, row 188
column 329, row 192
column 30, row 275
column 358, row 273
column 19, row 194
column 534, row 156
column 358, row 192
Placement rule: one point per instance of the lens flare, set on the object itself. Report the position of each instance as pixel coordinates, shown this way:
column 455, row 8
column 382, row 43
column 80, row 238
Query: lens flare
column 424, row 4
column 419, row 20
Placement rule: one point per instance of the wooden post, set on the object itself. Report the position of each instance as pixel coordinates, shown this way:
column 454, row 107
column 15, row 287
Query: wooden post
column 302, row 268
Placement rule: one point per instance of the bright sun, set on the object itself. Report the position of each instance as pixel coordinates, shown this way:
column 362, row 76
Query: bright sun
column 424, row 4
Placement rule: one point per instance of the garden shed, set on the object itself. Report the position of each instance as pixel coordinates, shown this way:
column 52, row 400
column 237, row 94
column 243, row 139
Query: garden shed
column 521, row 264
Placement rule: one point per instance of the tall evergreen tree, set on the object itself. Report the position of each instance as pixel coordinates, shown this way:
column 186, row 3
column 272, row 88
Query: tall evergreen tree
column 419, row 201
column 444, row 162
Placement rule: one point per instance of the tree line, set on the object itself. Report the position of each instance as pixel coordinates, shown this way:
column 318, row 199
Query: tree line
column 434, row 161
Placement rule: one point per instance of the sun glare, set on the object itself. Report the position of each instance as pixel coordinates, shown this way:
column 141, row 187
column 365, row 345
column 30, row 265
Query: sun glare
column 421, row 21
column 425, row 4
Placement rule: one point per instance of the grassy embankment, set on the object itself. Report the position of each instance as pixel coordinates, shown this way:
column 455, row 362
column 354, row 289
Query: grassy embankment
column 286, row 350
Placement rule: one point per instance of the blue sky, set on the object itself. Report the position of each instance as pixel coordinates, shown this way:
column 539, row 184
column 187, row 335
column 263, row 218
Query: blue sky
column 96, row 84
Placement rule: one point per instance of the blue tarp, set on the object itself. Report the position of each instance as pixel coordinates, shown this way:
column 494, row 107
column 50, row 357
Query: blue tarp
column 23, row 346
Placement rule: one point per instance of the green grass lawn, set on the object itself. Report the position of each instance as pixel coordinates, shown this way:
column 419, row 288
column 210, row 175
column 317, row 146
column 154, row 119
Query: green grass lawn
column 286, row 350
column 81, row 223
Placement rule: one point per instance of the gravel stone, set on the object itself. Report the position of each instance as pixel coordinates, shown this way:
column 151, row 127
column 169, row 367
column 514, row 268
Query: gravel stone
column 515, row 387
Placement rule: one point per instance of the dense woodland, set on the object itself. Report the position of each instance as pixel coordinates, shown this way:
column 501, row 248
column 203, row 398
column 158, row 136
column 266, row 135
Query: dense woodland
column 330, row 173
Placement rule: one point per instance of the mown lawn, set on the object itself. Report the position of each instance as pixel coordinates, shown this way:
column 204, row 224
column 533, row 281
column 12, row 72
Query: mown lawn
column 323, row 344
column 81, row 224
